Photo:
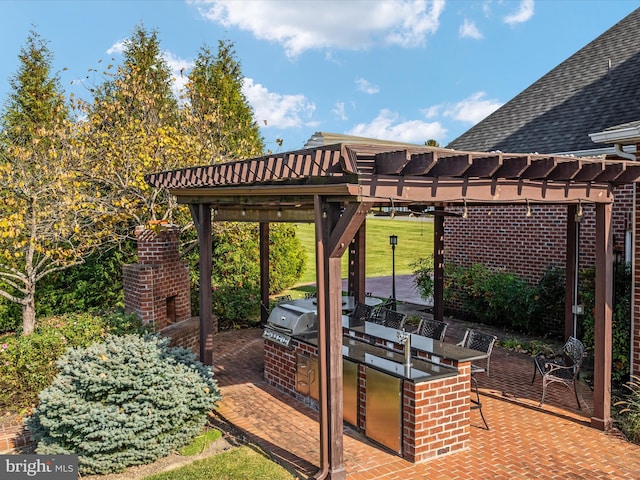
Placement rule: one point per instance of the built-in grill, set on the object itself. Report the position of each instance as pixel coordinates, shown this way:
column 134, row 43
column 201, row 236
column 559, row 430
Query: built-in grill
column 288, row 319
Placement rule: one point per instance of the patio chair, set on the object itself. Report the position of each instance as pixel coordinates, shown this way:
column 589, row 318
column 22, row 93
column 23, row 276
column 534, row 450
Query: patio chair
column 432, row 328
column 378, row 312
column 389, row 318
column 282, row 298
column 310, row 294
column 563, row 368
column 482, row 342
column 360, row 314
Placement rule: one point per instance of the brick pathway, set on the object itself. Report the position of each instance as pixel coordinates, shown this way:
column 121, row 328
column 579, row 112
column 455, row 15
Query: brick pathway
column 525, row 442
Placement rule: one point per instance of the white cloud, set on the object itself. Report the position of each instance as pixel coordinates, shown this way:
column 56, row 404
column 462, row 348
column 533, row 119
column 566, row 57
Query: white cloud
column 353, row 25
column 117, row 47
column 432, row 112
column 472, row 109
column 179, row 70
column 469, row 30
column 366, row 86
column 339, row 111
column 276, row 110
column 386, row 127
column 524, row 13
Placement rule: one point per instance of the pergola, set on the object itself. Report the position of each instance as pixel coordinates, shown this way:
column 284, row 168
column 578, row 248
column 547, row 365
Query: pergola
column 336, row 186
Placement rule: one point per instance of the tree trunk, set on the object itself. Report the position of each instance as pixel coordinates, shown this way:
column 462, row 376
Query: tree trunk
column 28, row 314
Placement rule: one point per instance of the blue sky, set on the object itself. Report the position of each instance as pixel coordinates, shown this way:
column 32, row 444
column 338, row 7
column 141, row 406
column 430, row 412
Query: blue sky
column 399, row 70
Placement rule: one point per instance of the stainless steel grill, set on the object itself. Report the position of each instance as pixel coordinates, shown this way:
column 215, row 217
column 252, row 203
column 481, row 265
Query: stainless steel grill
column 288, row 319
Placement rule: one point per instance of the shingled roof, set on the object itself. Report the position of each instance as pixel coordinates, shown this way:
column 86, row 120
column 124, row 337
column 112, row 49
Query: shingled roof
column 594, row 89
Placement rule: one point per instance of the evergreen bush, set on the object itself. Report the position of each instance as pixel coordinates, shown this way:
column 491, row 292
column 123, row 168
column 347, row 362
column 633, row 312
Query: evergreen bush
column 127, row 401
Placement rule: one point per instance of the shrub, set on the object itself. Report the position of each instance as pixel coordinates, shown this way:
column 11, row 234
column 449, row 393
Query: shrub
column 629, row 420
column 547, row 306
column 126, row 401
column 27, row 363
column 621, row 318
column 236, row 269
column 423, row 276
column 494, row 298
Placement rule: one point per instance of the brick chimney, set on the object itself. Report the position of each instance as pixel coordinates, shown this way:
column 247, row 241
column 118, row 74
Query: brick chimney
column 157, row 288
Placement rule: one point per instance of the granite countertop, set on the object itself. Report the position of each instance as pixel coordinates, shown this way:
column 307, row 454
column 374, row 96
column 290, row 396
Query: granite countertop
column 386, row 360
column 434, row 348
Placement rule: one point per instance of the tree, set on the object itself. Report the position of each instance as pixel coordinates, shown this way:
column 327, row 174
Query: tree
column 220, row 117
column 48, row 219
column 134, row 130
column 220, row 122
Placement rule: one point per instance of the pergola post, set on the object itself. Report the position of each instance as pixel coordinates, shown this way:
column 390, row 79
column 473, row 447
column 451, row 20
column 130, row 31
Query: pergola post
column 601, row 418
column 356, row 275
column 264, row 272
column 201, row 214
column 329, row 313
column 438, row 264
column 571, row 270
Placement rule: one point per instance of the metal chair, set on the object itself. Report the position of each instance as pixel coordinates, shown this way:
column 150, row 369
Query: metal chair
column 563, row 368
column 282, row 298
column 482, row 342
column 432, row 328
column 360, row 314
column 393, row 319
column 310, row 294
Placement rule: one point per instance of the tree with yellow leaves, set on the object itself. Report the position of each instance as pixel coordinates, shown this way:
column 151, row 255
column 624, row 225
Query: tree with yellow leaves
column 49, row 219
column 133, row 128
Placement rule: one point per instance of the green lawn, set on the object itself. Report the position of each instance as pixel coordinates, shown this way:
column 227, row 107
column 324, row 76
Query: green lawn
column 240, row 463
column 415, row 240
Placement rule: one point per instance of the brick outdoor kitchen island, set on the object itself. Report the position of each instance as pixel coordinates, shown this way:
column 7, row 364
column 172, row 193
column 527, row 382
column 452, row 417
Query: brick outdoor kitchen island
column 408, row 393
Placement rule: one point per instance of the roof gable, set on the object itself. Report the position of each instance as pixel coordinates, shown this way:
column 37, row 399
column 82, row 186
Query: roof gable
column 595, row 88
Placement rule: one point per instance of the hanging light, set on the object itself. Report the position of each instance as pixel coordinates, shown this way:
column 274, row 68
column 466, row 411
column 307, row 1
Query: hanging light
column 465, row 211
column 279, row 213
column 580, row 213
column 244, row 211
column 528, row 214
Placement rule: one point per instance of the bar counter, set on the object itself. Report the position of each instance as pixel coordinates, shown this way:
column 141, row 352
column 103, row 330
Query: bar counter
column 434, row 350
column 386, row 360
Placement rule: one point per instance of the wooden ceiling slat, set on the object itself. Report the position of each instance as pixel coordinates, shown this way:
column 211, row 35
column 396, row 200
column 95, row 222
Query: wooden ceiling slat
column 349, row 157
column 564, row 171
column 631, row 174
column 610, row 173
column 420, row 163
column 451, row 166
column 484, row 166
column 512, row 167
column 390, row 163
column 539, row 168
column 589, row 171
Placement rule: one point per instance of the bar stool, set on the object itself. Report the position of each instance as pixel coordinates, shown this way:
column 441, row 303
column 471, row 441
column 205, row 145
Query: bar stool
column 481, row 342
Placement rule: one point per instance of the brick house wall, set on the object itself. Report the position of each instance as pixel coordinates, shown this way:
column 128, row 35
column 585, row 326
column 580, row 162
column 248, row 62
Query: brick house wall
column 503, row 237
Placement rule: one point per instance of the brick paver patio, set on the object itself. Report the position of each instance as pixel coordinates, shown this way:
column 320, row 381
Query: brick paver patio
column 525, row 442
